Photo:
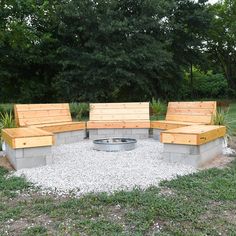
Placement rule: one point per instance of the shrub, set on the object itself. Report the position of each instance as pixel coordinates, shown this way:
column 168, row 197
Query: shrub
column 79, row 111
column 158, row 108
column 6, row 108
column 222, row 118
column 6, row 121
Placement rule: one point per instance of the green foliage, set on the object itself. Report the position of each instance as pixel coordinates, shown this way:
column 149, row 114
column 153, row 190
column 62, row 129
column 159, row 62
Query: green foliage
column 222, row 118
column 79, row 111
column 6, row 120
column 205, row 85
column 158, row 108
column 6, row 108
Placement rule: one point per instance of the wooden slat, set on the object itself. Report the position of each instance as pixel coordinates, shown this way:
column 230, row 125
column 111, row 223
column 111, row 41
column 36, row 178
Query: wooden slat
column 33, row 142
column 165, row 125
column 119, row 111
column 63, row 127
column 191, row 105
column 190, row 139
column 37, row 107
column 40, row 120
column 119, row 105
column 118, row 124
column 190, row 118
column 43, row 113
column 119, row 117
column 192, row 111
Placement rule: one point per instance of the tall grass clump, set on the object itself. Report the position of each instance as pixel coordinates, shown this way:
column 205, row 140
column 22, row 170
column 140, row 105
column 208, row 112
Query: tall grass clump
column 158, row 108
column 6, row 121
column 222, row 118
column 79, row 111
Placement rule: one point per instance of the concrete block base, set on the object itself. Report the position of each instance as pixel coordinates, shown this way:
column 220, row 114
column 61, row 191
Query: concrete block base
column 69, row 137
column 123, row 133
column 194, row 155
column 29, row 157
column 156, row 133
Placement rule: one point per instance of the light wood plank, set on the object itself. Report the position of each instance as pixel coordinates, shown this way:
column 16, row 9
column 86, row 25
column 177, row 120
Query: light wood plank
column 165, row 125
column 193, row 135
column 57, row 128
column 190, row 118
column 118, row 124
column 33, row 142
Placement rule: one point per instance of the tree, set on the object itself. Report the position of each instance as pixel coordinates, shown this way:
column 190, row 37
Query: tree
column 221, row 43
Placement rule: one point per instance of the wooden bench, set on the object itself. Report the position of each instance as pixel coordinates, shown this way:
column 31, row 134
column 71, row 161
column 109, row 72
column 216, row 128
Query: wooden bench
column 119, row 119
column 28, row 147
column 55, row 118
column 193, row 145
column 180, row 114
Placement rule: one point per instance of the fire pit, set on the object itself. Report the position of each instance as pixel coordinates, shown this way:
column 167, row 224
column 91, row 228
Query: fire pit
column 114, row 144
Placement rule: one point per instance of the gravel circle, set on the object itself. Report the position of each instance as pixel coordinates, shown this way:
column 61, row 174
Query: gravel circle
column 80, row 169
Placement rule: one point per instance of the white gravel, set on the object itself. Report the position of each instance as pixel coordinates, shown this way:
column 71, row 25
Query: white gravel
column 79, row 168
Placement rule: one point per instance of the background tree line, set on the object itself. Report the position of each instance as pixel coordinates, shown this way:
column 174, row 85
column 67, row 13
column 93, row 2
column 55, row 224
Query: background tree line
column 116, row 50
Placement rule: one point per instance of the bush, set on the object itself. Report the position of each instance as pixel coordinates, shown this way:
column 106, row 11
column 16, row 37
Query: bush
column 79, row 111
column 158, row 108
column 6, row 108
column 205, row 85
column 222, row 118
column 6, row 121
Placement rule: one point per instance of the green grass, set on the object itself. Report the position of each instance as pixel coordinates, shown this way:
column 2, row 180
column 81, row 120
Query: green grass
column 199, row 204
column 232, row 115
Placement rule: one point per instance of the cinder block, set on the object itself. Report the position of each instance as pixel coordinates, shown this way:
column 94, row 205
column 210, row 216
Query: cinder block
column 193, row 155
column 106, row 131
column 30, row 162
column 36, row 151
column 140, row 131
column 156, row 133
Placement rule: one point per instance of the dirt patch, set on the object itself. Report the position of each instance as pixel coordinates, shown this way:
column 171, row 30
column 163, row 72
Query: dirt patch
column 5, row 163
column 219, row 162
column 232, row 142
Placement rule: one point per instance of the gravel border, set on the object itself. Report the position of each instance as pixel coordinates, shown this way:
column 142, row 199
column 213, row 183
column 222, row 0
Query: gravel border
column 80, row 169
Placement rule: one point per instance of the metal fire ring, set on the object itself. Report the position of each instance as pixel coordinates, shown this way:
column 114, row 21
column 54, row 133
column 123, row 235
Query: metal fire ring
column 114, row 144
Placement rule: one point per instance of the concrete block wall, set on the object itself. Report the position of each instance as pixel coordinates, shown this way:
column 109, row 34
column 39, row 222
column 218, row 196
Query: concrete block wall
column 123, row 133
column 156, row 133
column 194, row 155
column 69, row 137
column 29, row 157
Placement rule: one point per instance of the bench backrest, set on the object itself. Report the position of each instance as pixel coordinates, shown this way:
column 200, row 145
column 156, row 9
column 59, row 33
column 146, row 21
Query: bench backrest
column 35, row 114
column 119, row 111
column 195, row 112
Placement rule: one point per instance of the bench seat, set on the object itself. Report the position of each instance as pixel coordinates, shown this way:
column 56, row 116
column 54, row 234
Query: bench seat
column 193, row 145
column 168, row 124
column 62, row 126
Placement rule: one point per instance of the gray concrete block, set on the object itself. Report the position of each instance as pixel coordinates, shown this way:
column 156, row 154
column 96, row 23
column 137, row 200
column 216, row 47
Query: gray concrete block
column 193, row 155
column 35, row 151
column 31, row 162
column 106, row 131
column 140, row 131
column 156, row 133
column 69, row 137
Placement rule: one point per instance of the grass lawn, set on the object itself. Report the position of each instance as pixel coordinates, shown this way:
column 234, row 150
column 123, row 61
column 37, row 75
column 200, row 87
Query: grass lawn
column 198, row 204
column 232, row 115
